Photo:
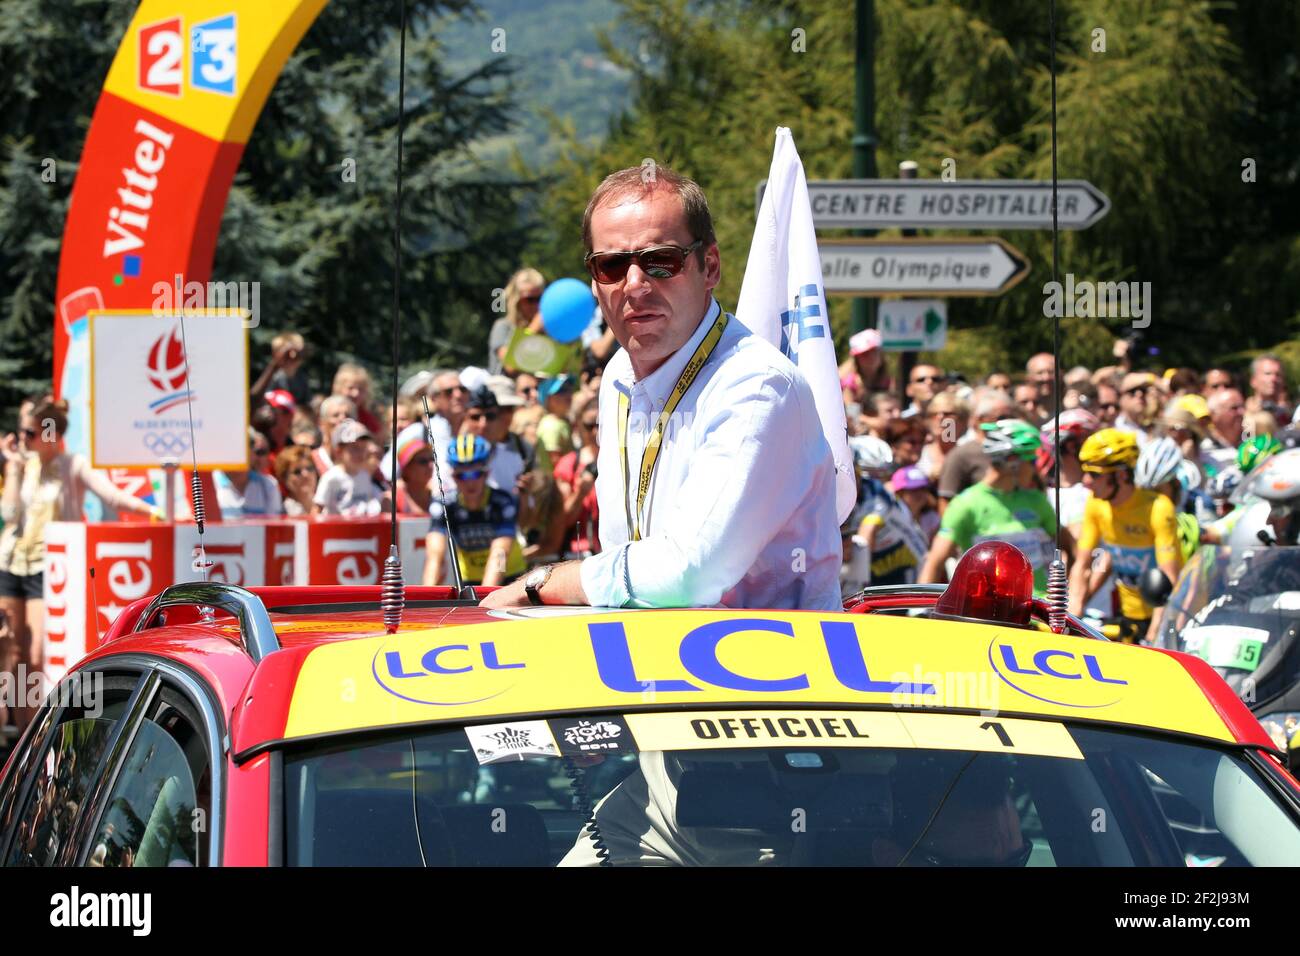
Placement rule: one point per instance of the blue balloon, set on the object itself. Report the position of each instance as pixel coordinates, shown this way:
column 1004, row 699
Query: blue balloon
column 567, row 307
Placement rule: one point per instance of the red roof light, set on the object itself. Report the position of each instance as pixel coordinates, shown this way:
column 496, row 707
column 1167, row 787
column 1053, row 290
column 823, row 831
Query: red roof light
column 993, row 582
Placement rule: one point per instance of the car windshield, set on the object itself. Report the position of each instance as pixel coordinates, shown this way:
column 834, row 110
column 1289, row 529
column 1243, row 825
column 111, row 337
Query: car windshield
column 803, row 788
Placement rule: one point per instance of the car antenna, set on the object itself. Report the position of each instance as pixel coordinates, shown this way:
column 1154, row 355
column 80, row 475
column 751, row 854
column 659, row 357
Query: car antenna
column 201, row 562
column 442, row 496
column 392, row 594
column 1058, row 584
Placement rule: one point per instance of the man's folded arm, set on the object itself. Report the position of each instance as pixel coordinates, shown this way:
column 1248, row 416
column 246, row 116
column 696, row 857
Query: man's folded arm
column 747, row 478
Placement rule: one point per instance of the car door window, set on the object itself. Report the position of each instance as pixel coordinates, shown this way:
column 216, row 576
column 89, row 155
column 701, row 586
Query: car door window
column 156, row 814
column 66, row 772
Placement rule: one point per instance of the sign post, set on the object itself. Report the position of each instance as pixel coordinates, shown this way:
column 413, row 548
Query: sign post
column 921, row 267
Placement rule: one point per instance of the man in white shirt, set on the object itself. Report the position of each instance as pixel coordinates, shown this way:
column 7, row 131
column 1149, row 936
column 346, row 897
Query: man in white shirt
column 724, row 490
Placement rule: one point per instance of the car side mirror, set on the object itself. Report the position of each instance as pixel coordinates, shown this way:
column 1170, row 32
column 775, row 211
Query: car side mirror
column 1155, row 587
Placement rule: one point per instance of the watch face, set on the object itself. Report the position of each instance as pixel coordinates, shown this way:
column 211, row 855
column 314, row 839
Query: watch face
column 535, row 579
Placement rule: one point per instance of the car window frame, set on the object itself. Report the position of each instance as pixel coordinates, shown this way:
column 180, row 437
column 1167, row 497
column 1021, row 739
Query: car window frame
column 22, row 792
column 179, row 679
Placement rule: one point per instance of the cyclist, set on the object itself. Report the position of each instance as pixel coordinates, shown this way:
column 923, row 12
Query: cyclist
column 1000, row 508
column 1136, row 525
column 887, row 543
column 483, row 521
column 1162, row 468
column 1249, row 455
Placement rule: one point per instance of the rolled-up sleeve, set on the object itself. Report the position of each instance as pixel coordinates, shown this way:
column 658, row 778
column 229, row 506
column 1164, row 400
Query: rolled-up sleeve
column 747, row 476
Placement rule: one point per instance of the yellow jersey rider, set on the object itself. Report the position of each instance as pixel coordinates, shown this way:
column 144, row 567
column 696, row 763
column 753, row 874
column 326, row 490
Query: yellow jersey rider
column 483, row 521
column 1136, row 525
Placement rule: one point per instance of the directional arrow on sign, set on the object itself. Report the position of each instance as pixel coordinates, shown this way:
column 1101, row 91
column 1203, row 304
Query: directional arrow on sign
column 962, row 204
column 931, row 267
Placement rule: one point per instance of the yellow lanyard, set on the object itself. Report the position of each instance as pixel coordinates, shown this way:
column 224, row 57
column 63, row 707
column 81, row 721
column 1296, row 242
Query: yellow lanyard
column 651, row 454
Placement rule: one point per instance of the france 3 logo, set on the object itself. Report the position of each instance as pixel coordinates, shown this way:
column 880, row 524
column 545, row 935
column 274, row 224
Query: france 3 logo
column 213, row 64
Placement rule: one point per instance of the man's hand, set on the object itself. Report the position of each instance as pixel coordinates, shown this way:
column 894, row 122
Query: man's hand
column 563, row 587
column 12, row 451
column 511, row 595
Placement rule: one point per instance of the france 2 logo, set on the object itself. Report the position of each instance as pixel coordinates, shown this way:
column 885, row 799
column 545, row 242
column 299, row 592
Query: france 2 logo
column 213, row 64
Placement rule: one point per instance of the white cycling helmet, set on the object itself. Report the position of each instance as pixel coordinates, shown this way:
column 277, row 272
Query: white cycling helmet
column 1157, row 463
column 871, row 454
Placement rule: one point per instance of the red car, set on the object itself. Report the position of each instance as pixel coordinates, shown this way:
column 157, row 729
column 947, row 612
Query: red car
column 284, row 726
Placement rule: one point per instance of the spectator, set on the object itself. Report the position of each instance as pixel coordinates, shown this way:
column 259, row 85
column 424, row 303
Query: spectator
column 1185, row 428
column 284, row 372
column 522, row 294
column 1080, row 395
column 1258, row 422
column 483, row 522
column 878, row 410
column 998, row 380
column 347, row 488
column 553, row 431
column 946, row 417
column 922, row 384
column 864, row 371
column 265, row 420
column 333, row 412
column 353, row 382
column 42, row 483
column 967, row 463
column 906, row 439
column 414, row 471
column 1135, row 404
column 526, row 385
column 1183, row 381
column 447, row 398
column 305, row 431
column 1217, row 379
column 250, row 492
column 1025, row 396
column 285, row 408
column 1268, row 387
column 502, row 431
column 913, row 488
column 1040, row 371
column 484, row 417
column 298, row 476
column 1107, row 407
column 575, row 477
column 1227, row 416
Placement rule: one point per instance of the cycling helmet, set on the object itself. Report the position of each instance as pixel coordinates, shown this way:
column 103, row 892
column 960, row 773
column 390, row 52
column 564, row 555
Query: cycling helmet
column 1109, row 449
column 1009, row 437
column 1224, row 483
column 1157, row 463
column 469, row 450
column 1078, row 422
column 1255, row 450
column 871, row 454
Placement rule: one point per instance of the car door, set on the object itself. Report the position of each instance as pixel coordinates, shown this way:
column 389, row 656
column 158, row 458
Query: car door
column 77, row 734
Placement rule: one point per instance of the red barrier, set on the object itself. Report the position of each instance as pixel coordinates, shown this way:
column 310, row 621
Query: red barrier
column 131, row 560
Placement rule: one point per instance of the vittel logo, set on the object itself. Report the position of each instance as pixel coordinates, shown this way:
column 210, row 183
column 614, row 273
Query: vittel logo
column 129, row 576
column 357, row 564
column 128, row 221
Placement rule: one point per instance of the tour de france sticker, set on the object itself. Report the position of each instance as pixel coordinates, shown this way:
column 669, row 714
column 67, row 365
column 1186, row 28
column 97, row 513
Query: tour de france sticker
column 498, row 743
column 601, row 734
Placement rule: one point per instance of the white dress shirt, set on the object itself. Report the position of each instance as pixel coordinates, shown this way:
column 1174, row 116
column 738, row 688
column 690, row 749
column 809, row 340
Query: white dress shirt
column 741, row 507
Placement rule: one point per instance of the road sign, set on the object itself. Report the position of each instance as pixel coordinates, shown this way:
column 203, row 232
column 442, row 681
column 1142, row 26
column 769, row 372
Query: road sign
column 947, row 267
column 912, row 325
column 962, row 204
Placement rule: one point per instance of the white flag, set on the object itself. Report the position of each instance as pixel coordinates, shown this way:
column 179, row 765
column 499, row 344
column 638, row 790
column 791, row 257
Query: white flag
column 782, row 299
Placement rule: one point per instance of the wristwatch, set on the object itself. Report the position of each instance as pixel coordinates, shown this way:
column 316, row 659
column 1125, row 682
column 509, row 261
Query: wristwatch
column 534, row 583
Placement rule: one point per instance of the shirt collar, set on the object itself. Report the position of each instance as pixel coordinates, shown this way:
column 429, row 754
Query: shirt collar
column 659, row 383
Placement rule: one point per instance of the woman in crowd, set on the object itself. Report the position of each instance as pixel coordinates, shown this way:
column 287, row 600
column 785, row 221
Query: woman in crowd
column 298, row 476
column 523, row 293
column 906, row 439
column 352, row 381
column 864, row 372
column 42, row 483
column 414, row 471
column 946, row 417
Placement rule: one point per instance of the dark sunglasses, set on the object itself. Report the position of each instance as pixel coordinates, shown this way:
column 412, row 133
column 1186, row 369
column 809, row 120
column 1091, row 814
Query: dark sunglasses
column 469, row 475
column 260, row 452
column 1137, row 390
column 927, row 378
column 1110, row 405
column 304, row 470
column 657, row 262
column 529, row 390
column 29, row 433
column 591, row 424
column 479, row 416
column 530, row 298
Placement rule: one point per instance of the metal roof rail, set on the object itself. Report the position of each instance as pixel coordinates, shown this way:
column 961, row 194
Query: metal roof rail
column 255, row 629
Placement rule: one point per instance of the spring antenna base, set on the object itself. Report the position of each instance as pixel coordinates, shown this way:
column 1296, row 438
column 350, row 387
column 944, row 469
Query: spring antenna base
column 392, row 595
column 1058, row 595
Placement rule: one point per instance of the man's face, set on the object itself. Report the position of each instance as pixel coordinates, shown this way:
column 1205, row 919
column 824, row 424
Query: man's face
column 1103, row 485
column 450, row 395
column 1227, row 411
column 888, row 409
column 1107, row 404
column 499, row 427
column 999, row 380
column 1133, row 400
column 336, row 414
column 1041, row 372
column 478, row 420
column 924, row 381
column 651, row 318
column 1269, row 381
column 1026, row 399
column 355, row 388
column 1215, row 381
column 963, row 834
column 526, row 386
